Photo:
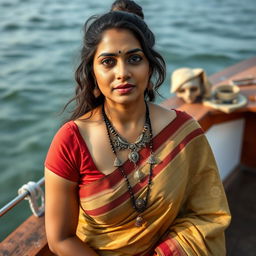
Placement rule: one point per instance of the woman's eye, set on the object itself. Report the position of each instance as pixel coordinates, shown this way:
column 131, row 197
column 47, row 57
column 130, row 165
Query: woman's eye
column 108, row 62
column 135, row 59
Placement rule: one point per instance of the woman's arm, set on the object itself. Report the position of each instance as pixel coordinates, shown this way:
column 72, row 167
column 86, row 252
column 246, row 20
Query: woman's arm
column 61, row 217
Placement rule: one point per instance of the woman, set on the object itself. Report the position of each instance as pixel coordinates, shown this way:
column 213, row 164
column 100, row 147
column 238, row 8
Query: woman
column 125, row 176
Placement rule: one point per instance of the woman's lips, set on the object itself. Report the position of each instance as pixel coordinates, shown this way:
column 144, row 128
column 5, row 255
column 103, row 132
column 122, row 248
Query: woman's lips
column 124, row 89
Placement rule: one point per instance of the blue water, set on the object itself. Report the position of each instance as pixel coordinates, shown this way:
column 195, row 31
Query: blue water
column 39, row 50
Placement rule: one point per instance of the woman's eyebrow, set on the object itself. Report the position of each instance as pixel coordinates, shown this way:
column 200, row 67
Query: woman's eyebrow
column 108, row 54
column 134, row 50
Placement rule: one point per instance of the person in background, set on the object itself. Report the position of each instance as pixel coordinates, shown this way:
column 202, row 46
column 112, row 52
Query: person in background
column 124, row 176
column 128, row 6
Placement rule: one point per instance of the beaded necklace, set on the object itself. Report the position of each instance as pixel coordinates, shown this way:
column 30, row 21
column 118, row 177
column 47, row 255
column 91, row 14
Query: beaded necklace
column 139, row 204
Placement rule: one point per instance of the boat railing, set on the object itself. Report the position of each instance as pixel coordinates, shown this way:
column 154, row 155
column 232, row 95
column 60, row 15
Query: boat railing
column 32, row 192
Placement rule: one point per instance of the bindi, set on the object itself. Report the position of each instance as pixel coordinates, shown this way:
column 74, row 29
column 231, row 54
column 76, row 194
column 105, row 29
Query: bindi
column 119, row 52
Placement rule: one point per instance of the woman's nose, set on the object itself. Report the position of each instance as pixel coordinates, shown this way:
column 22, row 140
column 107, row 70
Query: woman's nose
column 122, row 71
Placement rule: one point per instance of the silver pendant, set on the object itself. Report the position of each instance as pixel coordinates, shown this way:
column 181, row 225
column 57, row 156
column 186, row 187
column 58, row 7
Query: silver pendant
column 117, row 162
column 140, row 204
column 152, row 159
column 134, row 156
column 138, row 175
column 139, row 221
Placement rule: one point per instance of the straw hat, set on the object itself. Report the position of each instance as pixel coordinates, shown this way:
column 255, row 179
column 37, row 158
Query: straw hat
column 182, row 75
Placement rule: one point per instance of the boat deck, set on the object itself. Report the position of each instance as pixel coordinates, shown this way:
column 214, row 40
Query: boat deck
column 241, row 194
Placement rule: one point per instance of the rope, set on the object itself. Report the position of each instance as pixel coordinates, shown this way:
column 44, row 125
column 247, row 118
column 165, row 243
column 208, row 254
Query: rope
column 35, row 192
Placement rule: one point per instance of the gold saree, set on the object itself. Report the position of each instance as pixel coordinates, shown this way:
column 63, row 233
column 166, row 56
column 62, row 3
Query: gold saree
column 187, row 210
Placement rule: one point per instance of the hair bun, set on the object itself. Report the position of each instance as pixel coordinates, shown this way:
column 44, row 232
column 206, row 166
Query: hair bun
column 127, row 6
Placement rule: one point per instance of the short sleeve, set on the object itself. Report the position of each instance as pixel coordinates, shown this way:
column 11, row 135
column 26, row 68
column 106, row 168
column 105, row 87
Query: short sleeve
column 63, row 157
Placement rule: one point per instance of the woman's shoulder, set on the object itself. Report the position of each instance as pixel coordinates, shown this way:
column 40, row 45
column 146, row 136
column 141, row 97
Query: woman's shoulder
column 66, row 136
column 161, row 114
column 89, row 124
column 161, row 117
column 91, row 118
column 166, row 112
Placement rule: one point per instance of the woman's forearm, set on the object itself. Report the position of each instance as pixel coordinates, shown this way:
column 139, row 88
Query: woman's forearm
column 72, row 246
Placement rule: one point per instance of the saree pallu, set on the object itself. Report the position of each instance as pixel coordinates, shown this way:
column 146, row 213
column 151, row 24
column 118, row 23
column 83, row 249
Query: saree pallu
column 187, row 211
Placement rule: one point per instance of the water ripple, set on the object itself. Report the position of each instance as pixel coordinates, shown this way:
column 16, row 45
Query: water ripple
column 11, row 27
column 36, row 19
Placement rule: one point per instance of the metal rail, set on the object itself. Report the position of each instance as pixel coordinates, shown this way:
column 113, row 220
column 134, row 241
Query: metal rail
column 17, row 199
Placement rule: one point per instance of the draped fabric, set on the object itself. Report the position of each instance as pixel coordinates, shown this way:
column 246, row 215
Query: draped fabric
column 187, row 210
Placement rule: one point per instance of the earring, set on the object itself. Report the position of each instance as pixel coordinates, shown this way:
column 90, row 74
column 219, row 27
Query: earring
column 149, row 92
column 150, row 89
column 96, row 91
column 150, row 86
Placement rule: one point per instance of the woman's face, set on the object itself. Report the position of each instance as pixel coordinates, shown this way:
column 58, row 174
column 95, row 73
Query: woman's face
column 120, row 67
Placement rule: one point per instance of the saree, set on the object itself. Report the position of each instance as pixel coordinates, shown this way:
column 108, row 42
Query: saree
column 187, row 210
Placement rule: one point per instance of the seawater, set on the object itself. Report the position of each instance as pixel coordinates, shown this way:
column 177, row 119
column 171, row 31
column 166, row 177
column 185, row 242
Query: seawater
column 39, row 51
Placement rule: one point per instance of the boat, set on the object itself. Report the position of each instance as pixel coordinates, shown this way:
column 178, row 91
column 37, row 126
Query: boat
column 232, row 138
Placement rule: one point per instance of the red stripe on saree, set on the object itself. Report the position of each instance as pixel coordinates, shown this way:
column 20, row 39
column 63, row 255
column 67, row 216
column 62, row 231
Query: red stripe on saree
column 169, row 247
column 165, row 250
column 176, row 150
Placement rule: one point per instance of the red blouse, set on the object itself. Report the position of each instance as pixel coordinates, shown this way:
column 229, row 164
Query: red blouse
column 69, row 157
